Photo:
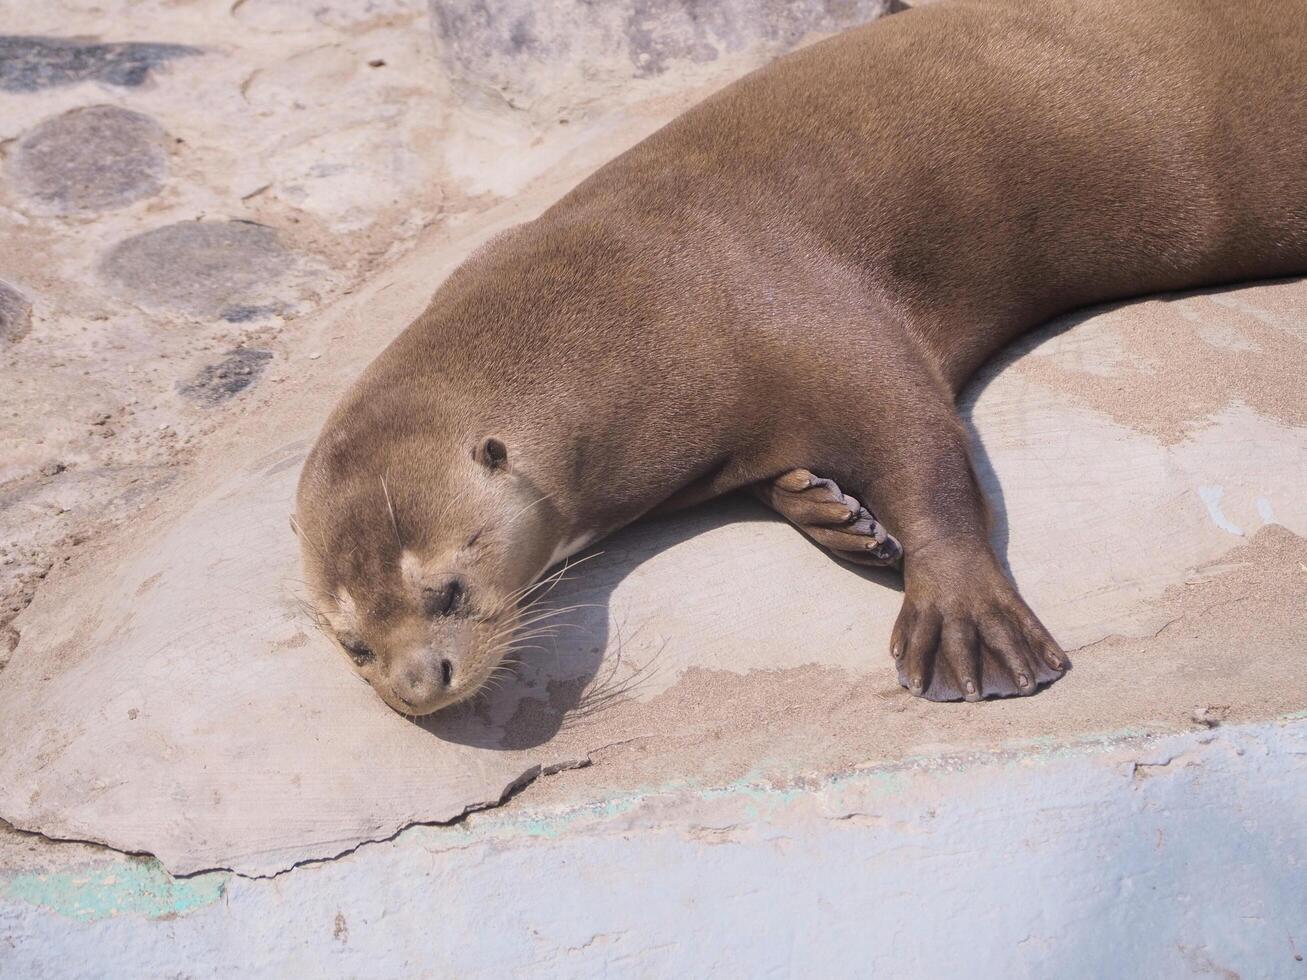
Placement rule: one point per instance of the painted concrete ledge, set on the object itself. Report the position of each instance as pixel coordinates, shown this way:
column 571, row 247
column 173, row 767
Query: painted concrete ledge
column 1121, row 855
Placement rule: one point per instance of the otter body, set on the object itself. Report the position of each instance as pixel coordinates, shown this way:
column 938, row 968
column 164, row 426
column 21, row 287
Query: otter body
column 797, row 277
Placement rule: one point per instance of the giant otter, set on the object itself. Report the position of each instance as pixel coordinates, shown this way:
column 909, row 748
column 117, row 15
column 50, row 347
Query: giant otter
column 785, row 289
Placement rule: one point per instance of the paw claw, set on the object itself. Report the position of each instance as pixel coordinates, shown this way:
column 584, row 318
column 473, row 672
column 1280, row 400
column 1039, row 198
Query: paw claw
column 971, row 648
column 832, row 518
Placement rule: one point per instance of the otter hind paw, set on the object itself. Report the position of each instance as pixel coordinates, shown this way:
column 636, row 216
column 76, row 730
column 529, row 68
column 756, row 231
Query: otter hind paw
column 831, row 518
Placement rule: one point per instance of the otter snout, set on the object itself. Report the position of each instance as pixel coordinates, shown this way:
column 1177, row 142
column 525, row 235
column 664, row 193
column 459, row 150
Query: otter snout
column 425, row 680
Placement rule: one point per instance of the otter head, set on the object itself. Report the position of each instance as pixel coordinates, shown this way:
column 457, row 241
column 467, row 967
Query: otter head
column 418, row 558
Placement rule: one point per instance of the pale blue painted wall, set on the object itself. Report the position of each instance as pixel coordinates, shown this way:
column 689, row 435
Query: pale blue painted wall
column 1172, row 858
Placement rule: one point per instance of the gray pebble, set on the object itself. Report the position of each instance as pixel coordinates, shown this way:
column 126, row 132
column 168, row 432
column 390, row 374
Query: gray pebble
column 199, row 267
column 15, row 315
column 244, row 313
column 30, row 63
column 215, row 383
column 92, row 159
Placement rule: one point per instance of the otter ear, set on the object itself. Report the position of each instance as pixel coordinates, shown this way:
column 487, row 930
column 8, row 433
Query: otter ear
column 492, row 454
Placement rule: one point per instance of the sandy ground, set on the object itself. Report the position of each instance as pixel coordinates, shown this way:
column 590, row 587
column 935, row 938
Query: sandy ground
column 174, row 327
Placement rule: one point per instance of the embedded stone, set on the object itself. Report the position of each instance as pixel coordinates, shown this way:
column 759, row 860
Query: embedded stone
column 15, row 314
column 92, row 159
column 199, row 267
column 244, row 313
column 29, row 63
column 215, row 383
column 536, row 55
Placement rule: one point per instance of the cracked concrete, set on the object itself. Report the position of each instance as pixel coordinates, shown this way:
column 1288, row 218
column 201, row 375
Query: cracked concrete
column 840, row 874
column 64, row 850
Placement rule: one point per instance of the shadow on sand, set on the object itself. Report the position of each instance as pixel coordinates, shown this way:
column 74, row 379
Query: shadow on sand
column 580, row 671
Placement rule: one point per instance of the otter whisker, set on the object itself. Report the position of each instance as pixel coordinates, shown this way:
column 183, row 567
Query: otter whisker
column 449, row 504
column 517, row 626
column 519, row 622
column 523, row 510
column 560, row 609
column 529, row 646
column 315, row 617
column 513, row 634
column 394, row 523
column 519, row 595
column 570, row 563
column 553, row 613
column 607, row 691
column 602, row 696
column 535, row 609
column 508, row 635
column 550, row 581
column 544, row 633
column 528, row 637
column 550, row 622
column 552, row 637
column 316, row 589
column 299, row 533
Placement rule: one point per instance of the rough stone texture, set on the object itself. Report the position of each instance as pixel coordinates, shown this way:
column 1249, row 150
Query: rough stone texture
column 15, row 315
column 28, row 64
column 215, row 383
column 721, row 640
column 282, row 120
column 199, row 267
column 345, row 15
column 91, row 159
column 548, row 56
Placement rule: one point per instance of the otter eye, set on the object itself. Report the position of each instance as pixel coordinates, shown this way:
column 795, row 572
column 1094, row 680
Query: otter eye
column 446, row 599
column 358, row 652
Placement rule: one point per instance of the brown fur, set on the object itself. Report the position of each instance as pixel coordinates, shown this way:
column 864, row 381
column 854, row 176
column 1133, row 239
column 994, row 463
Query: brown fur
column 803, row 271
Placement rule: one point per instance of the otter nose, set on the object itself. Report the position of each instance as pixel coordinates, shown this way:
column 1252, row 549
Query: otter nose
column 444, row 598
column 424, row 679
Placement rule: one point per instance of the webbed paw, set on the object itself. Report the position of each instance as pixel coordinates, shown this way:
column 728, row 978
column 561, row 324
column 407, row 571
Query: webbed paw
column 982, row 642
column 831, row 518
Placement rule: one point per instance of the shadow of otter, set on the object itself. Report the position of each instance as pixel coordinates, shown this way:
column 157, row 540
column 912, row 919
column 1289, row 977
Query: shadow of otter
column 598, row 657
column 1025, row 345
column 986, row 476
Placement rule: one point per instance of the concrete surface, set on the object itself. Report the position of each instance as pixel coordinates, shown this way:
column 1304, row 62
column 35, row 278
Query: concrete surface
column 571, row 56
column 183, row 646
column 172, row 332
column 1108, row 857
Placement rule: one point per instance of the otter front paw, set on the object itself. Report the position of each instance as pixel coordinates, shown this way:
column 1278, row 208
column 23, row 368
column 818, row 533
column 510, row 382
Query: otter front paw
column 830, row 517
column 982, row 643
